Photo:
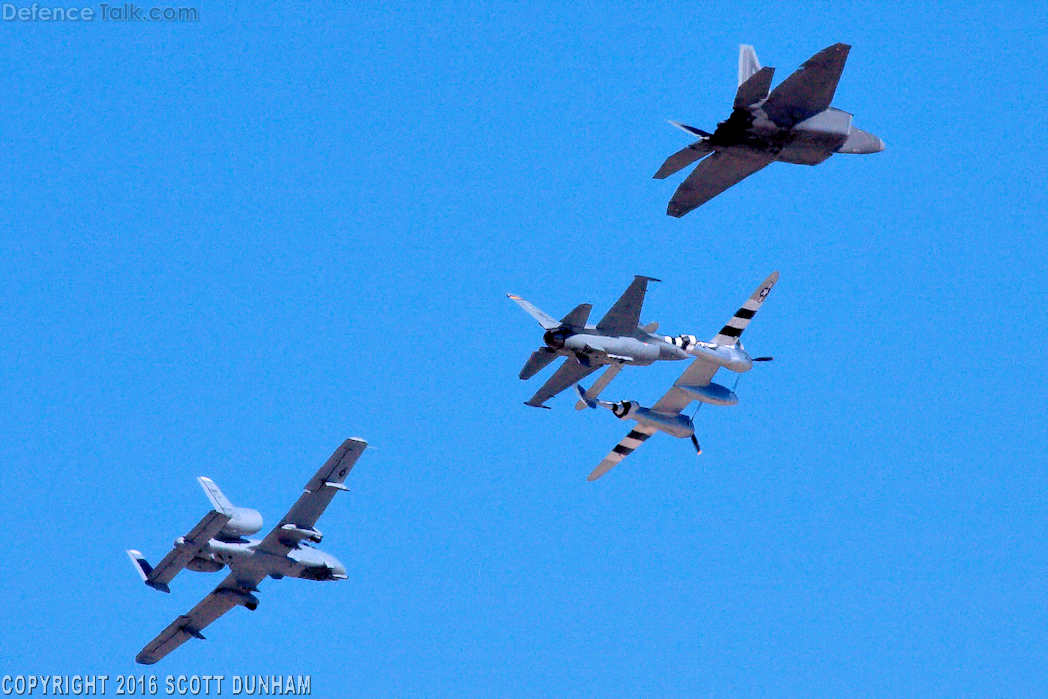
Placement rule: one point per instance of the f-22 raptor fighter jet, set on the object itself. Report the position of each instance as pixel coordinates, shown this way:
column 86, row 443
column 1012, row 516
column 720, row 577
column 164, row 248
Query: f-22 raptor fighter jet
column 695, row 384
column 219, row 540
column 615, row 341
column 794, row 123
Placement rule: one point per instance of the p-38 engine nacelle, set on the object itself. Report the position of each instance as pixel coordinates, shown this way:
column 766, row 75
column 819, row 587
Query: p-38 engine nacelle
column 677, row 425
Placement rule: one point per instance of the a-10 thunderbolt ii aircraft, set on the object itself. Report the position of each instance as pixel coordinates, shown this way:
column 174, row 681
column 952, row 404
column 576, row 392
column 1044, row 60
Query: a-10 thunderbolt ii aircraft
column 618, row 339
column 219, row 540
column 794, row 123
column 695, row 384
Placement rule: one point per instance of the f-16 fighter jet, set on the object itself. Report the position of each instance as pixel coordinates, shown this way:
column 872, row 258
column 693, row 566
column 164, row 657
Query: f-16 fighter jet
column 794, row 123
column 617, row 340
column 219, row 540
column 695, row 384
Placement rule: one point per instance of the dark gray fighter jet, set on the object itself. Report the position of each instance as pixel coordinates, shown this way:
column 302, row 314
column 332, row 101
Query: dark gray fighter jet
column 794, row 123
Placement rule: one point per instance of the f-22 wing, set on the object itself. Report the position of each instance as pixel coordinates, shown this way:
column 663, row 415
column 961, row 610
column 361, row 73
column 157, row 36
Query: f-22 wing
column 714, row 175
column 238, row 586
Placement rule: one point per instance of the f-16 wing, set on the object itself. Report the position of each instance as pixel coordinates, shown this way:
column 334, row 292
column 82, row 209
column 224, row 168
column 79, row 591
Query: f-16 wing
column 714, row 175
column 570, row 373
column 624, row 316
column 299, row 522
column 634, row 439
column 810, row 89
column 235, row 589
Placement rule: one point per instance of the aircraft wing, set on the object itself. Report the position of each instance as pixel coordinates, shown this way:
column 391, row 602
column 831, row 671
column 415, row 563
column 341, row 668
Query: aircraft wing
column 624, row 316
column 634, row 439
column 731, row 332
column 539, row 360
column 570, row 373
column 235, row 589
column 298, row 523
column 714, row 175
column 699, row 373
column 810, row 89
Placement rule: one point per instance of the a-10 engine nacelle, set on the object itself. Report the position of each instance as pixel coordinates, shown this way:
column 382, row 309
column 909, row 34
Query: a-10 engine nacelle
column 244, row 522
column 677, row 425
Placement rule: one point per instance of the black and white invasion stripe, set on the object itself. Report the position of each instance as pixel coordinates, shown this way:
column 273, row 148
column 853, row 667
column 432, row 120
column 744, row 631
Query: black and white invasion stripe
column 634, row 439
column 730, row 333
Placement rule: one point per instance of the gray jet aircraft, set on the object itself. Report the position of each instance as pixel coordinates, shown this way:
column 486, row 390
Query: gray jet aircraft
column 617, row 340
column 219, row 540
column 794, row 123
column 695, row 384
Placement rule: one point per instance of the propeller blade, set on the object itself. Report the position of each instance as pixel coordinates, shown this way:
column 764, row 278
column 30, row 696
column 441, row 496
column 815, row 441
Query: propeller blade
column 763, row 359
column 698, row 449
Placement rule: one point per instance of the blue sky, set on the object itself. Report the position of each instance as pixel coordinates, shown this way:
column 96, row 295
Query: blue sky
column 225, row 246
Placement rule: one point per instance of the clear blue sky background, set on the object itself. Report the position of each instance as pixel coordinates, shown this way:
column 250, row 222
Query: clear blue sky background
column 225, row 246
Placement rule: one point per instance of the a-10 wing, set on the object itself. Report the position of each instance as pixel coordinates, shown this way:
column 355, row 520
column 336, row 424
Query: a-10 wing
column 235, row 589
column 238, row 586
column 300, row 520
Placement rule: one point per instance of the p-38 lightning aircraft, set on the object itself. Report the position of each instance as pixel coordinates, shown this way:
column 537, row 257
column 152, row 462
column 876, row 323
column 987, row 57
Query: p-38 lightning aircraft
column 218, row 541
column 617, row 340
column 794, row 123
column 695, row 384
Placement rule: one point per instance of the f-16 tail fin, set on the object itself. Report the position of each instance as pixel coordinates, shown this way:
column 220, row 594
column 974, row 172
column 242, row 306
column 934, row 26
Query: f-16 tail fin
column 578, row 316
column 729, row 334
column 748, row 63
